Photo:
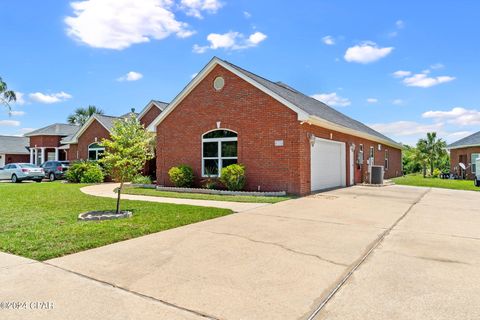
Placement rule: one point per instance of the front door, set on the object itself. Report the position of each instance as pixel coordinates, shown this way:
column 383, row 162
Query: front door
column 352, row 166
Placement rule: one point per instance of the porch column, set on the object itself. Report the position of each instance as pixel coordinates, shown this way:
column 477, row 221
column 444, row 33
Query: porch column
column 36, row 156
column 31, row 155
column 43, row 155
column 56, row 154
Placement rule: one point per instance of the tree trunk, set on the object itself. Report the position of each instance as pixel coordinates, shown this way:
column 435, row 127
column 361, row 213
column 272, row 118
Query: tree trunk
column 118, row 197
column 431, row 167
column 424, row 170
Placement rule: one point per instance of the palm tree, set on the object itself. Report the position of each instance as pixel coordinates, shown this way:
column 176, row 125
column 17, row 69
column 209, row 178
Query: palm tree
column 421, row 155
column 435, row 149
column 81, row 115
column 6, row 96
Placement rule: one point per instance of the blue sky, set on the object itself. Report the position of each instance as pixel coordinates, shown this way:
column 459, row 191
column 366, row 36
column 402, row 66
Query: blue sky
column 404, row 67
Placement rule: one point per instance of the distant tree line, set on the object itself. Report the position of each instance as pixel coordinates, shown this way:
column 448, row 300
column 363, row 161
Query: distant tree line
column 429, row 156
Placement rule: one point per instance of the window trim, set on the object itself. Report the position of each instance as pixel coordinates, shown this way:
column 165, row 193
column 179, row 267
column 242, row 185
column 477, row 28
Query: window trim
column 473, row 166
column 387, row 160
column 371, row 155
column 219, row 156
column 96, row 151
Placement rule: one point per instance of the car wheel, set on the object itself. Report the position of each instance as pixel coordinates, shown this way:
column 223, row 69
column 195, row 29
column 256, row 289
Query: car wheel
column 15, row 179
column 51, row 177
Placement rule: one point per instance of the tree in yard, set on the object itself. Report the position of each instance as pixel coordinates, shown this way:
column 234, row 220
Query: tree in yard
column 420, row 155
column 126, row 152
column 435, row 149
column 6, row 96
column 81, row 115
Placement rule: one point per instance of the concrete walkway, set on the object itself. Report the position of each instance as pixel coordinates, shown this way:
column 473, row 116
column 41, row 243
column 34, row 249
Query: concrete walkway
column 107, row 190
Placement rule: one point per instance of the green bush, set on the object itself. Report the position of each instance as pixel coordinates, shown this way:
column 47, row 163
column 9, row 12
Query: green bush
column 142, row 180
column 84, row 172
column 181, row 176
column 436, row 173
column 233, row 177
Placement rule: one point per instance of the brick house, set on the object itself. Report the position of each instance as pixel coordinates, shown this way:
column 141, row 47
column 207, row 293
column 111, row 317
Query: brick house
column 465, row 151
column 45, row 143
column 287, row 140
column 85, row 143
column 13, row 149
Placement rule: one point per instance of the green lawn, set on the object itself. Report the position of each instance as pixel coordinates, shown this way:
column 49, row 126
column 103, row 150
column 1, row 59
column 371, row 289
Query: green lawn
column 420, row 181
column 201, row 196
column 39, row 220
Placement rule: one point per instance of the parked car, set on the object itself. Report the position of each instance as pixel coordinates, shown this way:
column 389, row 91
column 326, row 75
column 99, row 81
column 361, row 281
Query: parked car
column 477, row 173
column 18, row 172
column 55, row 169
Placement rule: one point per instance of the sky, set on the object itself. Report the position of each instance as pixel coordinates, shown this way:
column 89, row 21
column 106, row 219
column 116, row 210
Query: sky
column 402, row 67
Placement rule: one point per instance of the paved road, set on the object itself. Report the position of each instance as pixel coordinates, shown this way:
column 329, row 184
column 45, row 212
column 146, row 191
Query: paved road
column 107, row 190
column 357, row 253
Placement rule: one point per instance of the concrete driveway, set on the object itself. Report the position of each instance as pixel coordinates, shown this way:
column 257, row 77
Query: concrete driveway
column 357, row 253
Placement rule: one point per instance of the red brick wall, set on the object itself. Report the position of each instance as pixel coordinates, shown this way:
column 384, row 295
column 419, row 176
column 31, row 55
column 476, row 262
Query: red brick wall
column 95, row 130
column 45, row 141
column 12, row 158
column 259, row 120
column 455, row 159
column 150, row 116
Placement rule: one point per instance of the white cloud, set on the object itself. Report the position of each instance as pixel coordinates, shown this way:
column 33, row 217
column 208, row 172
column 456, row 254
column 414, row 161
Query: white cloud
column 328, row 40
column 366, row 52
column 20, row 100
column 405, row 128
column 332, row 99
column 422, row 80
column 372, row 100
column 437, row 66
column 247, row 14
column 17, row 113
column 118, row 24
column 9, row 123
column 131, row 76
column 49, row 98
column 397, row 102
column 194, row 8
column 458, row 116
column 401, row 73
column 230, row 41
column 454, row 136
column 22, row 131
column 400, row 24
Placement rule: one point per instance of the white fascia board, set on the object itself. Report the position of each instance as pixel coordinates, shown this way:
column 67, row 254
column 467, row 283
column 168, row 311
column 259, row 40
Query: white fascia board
column 333, row 126
column 464, row 146
column 302, row 115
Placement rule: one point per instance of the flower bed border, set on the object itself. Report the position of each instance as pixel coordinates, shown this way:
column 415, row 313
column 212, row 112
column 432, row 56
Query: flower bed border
column 214, row 191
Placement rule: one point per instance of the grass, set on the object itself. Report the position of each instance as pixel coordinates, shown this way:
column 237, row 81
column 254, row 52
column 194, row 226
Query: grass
column 420, row 181
column 39, row 221
column 201, row 196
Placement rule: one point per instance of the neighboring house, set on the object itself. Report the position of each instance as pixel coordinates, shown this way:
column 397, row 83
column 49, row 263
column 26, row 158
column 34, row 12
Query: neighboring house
column 465, row 151
column 85, row 143
column 45, row 142
column 13, row 149
column 287, row 140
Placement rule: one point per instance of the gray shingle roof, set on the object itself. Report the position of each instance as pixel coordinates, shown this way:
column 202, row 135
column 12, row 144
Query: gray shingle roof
column 14, row 145
column 310, row 105
column 108, row 121
column 471, row 140
column 162, row 105
column 56, row 129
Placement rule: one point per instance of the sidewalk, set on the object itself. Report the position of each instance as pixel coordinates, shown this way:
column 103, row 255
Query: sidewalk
column 107, row 190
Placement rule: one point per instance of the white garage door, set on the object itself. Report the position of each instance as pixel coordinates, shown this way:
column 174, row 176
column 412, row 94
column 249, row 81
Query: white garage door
column 328, row 164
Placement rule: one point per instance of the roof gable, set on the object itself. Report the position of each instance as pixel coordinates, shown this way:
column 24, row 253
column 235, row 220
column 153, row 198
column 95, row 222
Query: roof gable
column 106, row 121
column 153, row 103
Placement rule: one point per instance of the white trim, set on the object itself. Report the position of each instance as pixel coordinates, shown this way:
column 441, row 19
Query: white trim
column 333, row 126
column 219, row 156
column 94, row 149
column 84, row 128
column 464, row 146
column 302, row 115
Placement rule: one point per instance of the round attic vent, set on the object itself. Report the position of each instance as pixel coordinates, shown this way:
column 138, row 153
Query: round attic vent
column 218, row 83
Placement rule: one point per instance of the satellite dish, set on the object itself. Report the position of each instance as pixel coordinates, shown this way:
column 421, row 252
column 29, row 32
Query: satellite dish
column 462, row 166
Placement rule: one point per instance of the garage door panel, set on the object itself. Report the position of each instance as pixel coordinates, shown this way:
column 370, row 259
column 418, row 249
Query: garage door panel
column 327, row 164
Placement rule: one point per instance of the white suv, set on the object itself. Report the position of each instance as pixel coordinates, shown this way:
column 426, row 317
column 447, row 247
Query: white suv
column 477, row 173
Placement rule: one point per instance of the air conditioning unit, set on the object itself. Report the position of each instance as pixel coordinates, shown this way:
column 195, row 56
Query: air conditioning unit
column 376, row 174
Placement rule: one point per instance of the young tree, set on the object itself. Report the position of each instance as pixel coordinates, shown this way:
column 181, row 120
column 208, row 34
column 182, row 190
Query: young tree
column 81, row 115
column 126, row 152
column 6, row 96
column 435, row 148
column 420, row 155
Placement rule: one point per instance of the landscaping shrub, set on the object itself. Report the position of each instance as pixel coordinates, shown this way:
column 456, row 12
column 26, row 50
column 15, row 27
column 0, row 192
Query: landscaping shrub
column 181, row 176
column 142, row 180
column 436, row 173
column 84, row 172
column 233, row 177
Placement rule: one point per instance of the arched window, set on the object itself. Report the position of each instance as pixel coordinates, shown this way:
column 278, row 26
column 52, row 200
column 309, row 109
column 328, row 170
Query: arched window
column 95, row 151
column 219, row 149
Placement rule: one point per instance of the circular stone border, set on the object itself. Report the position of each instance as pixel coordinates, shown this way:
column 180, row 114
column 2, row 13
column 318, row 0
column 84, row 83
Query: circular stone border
column 103, row 215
